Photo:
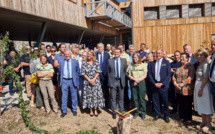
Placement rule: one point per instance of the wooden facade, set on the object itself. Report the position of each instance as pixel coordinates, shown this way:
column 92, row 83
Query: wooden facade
column 171, row 34
column 71, row 12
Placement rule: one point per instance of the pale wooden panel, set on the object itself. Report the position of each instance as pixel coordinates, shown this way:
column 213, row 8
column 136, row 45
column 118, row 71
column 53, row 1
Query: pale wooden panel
column 173, row 37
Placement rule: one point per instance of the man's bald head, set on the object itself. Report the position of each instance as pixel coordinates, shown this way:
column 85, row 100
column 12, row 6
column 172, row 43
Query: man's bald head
column 159, row 54
column 67, row 54
column 213, row 45
column 187, row 49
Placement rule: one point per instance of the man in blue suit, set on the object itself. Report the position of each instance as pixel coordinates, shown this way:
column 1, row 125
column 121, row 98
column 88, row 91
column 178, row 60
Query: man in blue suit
column 159, row 73
column 69, row 81
column 103, row 58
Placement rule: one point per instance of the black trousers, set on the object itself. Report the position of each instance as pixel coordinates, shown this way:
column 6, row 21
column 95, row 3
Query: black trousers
column 185, row 106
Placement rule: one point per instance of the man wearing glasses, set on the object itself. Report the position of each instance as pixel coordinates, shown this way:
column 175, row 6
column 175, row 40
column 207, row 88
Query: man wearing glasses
column 25, row 63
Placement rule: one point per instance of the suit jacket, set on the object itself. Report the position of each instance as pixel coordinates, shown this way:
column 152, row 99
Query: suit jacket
column 111, row 71
column 75, row 71
column 106, row 57
column 194, row 61
column 165, row 73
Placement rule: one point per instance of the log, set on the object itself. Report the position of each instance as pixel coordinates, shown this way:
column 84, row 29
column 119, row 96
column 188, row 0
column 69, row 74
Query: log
column 124, row 125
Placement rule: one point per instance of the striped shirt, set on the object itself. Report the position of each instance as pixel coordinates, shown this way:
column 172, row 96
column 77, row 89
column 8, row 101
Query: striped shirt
column 45, row 69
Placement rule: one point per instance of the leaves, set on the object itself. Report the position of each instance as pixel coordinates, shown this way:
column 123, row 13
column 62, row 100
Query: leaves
column 8, row 71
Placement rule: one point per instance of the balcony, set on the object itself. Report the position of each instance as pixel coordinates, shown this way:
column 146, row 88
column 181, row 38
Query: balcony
column 104, row 12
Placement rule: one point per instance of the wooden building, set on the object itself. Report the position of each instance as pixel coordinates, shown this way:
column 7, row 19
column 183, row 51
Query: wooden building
column 72, row 21
column 169, row 24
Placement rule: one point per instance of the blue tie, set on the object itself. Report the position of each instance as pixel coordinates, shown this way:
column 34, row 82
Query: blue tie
column 68, row 70
column 100, row 60
column 117, row 69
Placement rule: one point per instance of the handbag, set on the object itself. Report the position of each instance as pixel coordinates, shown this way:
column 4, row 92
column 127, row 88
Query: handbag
column 34, row 79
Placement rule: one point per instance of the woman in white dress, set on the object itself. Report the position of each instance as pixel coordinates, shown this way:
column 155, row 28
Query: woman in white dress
column 203, row 101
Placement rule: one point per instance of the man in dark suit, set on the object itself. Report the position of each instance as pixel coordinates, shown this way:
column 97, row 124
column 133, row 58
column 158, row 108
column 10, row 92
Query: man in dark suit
column 69, row 81
column 159, row 73
column 116, row 80
column 192, row 60
column 103, row 58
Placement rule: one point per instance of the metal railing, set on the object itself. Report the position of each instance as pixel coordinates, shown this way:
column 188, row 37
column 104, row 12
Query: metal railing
column 105, row 9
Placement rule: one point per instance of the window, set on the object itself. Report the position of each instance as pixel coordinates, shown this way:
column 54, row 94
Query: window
column 151, row 13
column 173, row 12
column 196, row 10
column 213, row 9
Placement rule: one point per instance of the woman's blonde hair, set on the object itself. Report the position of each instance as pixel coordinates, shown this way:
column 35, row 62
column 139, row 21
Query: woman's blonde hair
column 93, row 54
column 139, row 59
column 201, row 51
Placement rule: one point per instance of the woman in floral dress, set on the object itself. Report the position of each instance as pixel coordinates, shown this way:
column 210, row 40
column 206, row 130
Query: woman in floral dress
column 92, row 95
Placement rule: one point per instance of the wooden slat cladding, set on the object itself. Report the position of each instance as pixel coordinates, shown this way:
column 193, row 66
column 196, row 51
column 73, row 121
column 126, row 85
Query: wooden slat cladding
column 172, row 33
column 59, row 10
column 173, row 37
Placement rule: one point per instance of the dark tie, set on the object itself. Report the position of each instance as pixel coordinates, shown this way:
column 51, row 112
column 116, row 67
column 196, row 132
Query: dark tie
column 68, row 76
column 212, row 68
column 100, row 60
column 117, row 68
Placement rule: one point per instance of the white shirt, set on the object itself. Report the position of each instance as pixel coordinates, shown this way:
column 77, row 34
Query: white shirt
column 65, row 75
column 157, row 69
column 212, row 79
column 80, row 61
column 100, row 56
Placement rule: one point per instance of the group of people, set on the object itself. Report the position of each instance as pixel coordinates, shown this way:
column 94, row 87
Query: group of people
column 115, row 79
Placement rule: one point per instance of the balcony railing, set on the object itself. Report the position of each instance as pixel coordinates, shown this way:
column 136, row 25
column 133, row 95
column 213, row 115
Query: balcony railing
column 103, row 10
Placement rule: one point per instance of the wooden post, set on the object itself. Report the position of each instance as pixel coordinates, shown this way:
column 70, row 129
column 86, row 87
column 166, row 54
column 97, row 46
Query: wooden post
column 124, row 124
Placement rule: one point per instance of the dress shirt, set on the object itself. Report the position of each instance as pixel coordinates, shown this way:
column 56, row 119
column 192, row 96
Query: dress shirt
column 157, row 69
column 212, row 78
column 190, row 58
column 119, row 65
column 65, row 74
column 101, row 54
column 130, row 60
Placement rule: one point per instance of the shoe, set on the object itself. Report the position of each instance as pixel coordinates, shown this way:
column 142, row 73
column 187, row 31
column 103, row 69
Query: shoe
column 48, row 113
column 135, row 116
column 143, row 117
column 96, row 115
column 91, row 115
column 189, row 123
column 114, row 116
column 157, row 117
column 74, row 113
column 167, row 120
column 56, row 112
column 63, row 115
column 11, row 94
column 173, row 112
column 2, row 95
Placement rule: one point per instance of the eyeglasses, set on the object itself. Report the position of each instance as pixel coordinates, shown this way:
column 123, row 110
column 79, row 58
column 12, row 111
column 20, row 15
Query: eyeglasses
column 53, row 50
column 27, row 49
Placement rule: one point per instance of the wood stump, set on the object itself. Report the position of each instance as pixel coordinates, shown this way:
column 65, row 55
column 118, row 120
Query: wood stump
column 124, row 125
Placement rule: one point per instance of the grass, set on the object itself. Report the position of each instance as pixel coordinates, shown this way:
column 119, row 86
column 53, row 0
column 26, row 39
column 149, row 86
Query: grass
column 58, row 131
column 42, row 123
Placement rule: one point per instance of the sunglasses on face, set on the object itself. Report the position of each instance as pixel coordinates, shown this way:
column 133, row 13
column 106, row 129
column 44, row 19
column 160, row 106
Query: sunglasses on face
column 27, row 49
column 53, row 50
